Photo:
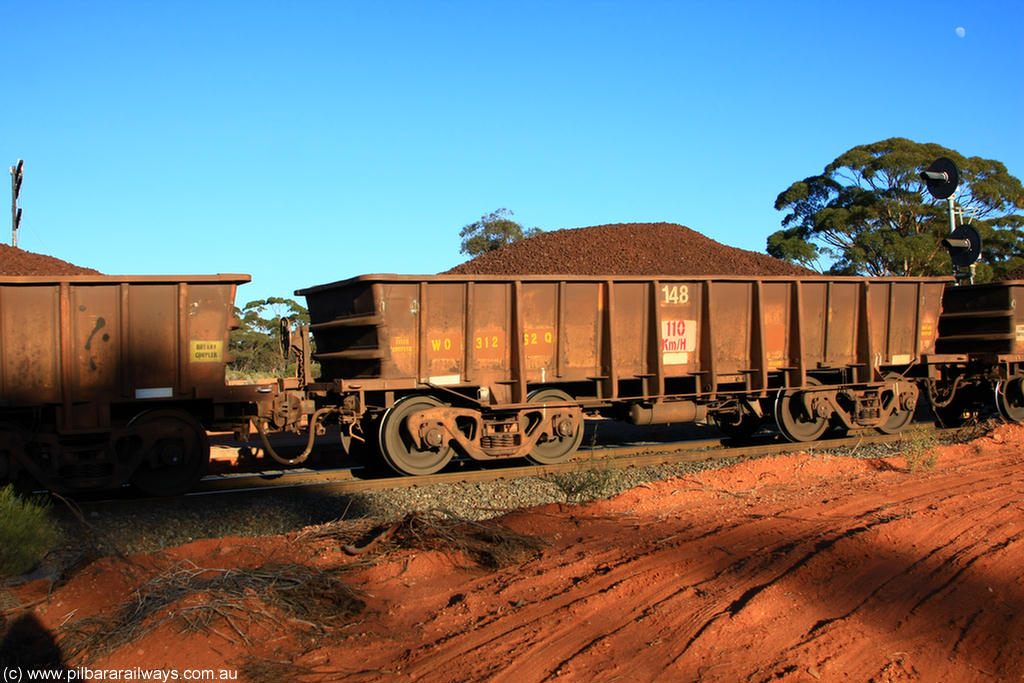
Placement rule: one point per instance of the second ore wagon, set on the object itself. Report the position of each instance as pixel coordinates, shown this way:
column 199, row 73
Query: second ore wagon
column 499, row 367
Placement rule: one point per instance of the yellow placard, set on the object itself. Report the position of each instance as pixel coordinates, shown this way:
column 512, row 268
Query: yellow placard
column 206, row 351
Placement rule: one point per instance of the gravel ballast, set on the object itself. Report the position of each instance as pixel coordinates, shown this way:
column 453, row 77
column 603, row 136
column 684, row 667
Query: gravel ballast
column 143, row 526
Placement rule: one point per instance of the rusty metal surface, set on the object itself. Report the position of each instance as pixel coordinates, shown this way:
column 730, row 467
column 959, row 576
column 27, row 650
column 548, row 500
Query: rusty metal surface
column 84, row 342
column 985, row 319
column 630, row 337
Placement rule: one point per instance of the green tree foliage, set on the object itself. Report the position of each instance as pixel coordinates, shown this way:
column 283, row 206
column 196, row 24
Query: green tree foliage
column 870, row 213
column 27, row 532
column 492, row 231
column 256, row 345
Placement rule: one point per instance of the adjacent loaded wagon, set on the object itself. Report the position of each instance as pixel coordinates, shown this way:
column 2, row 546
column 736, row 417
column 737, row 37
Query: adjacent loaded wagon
column 106, row 379
column 498, row 367
column 980, row 352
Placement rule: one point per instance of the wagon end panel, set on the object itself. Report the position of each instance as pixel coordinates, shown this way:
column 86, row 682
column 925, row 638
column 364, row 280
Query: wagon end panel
column 345, row 319
column 153, row 340
column 981, row 319
column 903, row 317
column 209, row 316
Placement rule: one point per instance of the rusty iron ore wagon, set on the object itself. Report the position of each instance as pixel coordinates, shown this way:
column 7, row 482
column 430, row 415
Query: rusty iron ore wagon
column 108, row 379
column 105, row 379
column 499, row 367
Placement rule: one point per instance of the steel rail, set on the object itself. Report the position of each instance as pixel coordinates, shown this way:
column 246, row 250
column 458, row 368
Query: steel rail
column 615, row 457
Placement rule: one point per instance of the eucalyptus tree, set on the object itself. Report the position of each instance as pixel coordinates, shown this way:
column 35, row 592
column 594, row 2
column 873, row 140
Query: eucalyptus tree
column 869, row 212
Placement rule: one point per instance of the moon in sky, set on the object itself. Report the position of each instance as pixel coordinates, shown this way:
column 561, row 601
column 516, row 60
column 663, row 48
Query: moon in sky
column 961, row 31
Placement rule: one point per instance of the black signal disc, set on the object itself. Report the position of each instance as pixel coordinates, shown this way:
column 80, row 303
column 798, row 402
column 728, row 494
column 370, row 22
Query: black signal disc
column 965, row 256
column 943, row 188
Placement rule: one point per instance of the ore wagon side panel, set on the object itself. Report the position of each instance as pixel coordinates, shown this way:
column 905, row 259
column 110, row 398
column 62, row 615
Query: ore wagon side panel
column 631, row 313
column 85, row 342
column 489, row 335
column 680, row 306
column 580, row 332
column 540, row 340
column 152, row 345
column 776, row 300
column 628, row 337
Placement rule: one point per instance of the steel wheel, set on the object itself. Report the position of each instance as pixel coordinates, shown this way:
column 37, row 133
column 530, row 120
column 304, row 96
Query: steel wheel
column 901, row 415
column 398, row 445
column 1010, row 399
column 561, row 448
column 176, row 452
column 791, row 418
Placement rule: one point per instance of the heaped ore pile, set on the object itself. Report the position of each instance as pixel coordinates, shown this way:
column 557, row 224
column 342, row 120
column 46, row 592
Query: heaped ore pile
column 1015, row 274
column 625, row 249
column 14, row 261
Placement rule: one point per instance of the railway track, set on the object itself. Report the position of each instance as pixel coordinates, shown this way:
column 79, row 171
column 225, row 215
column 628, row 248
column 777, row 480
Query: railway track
column 357, row 479
column 253, row 504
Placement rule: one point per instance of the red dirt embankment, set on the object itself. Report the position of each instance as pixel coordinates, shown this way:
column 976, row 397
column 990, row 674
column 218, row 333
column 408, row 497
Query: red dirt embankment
column 625, row 249
column 793, row 568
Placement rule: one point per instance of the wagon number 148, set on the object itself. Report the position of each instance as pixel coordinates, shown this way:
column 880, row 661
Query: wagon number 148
column 676, row 294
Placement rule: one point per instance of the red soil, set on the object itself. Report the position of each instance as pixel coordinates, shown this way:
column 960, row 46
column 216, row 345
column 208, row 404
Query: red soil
column 791, row 568
column 625, row 249
column 14, row 261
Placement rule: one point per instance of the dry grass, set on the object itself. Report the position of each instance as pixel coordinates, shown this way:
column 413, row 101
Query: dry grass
column 487, row 544
column 200, row 599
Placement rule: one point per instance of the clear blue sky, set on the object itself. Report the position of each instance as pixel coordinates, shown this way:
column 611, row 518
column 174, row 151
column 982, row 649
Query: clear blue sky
column 307, row 142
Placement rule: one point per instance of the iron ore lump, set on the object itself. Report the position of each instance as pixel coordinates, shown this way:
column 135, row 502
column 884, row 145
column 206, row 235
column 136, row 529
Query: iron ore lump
column 624, row 249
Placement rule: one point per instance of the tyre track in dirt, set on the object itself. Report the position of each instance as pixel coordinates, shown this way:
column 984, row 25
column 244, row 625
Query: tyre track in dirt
column 869, row 575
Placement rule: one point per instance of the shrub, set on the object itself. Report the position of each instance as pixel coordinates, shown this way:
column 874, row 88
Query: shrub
column 584, row 484
column 27, row 532
column 919, row 450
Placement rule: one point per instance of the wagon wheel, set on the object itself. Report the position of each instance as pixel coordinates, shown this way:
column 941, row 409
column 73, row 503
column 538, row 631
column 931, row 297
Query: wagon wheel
column 177, row 452
column 1010, row 399
column 398, row 445
column 793, row 420
column 560, row 448
column 901, row 414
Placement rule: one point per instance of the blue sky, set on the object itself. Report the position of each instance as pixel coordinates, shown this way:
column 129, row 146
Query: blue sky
column 307, row 142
